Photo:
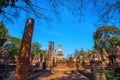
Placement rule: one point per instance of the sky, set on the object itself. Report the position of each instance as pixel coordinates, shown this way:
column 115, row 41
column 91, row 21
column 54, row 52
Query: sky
column 67, row 31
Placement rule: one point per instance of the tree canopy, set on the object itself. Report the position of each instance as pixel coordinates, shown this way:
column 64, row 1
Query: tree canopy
column 3, row 34
column 81, row 52
column 35, row 48
column 107, row 37
column 13, row 47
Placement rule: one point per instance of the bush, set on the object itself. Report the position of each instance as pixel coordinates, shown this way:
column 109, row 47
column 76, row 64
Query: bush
column 110, row 75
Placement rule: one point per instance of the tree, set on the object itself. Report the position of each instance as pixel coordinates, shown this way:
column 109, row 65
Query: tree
column 80, row 52
column 13, row 47
column 76, row 53
column 12, row 50
column 107, row 37
column 3, row 34
column 45, row 54
column 107, row 10
column 38, row 8
column 35, row 48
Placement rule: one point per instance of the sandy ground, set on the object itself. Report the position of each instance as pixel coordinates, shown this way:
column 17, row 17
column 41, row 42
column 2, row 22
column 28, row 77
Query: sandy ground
column 61, row 72
column 61, row 75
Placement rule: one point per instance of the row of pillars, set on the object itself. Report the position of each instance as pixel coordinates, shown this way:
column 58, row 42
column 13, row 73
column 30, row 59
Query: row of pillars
column 24, row 53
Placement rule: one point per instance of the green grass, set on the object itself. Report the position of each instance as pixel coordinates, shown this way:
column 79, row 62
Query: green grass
column 110, row 75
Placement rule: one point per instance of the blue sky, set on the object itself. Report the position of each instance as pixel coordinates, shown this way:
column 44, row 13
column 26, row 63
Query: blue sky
column 67, row 31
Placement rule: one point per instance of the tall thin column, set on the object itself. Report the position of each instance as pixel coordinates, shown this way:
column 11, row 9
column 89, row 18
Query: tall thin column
column 23, row 62
column 50, row 53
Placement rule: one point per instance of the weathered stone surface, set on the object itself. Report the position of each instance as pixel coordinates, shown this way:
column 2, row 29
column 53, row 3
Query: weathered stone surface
column 118, row 55
column 60, row 56
column 3, row 57
column 23, row 61
column 50, row 54
column 36, row 60
column 105, row 59
column 97, row 71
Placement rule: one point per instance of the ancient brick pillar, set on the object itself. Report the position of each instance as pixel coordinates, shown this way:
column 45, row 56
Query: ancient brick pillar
column 97, row 71
column 23, row 62
column 50, row 53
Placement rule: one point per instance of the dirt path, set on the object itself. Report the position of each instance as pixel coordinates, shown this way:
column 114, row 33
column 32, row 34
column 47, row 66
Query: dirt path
column 62, row 76
column 61, row 73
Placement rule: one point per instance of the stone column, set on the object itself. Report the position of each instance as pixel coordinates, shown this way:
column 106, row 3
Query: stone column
column 3, row 64
column 55, row 56
column 43, row 57
column 81, row 61
column 118, row 55
column 50, row 53
column 23, row 62
column 97, row 71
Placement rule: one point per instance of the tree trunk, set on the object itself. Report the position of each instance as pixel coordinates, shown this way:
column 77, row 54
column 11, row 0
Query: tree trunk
column 23, row 61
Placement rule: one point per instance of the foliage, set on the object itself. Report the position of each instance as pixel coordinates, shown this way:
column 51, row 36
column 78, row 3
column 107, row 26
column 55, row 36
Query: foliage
column 35, row 48
column 13, row 47
column 107, row 37
column 14, row 44
column 3, row 34
column 38, row 8
column 109, row 74
column 80, row 52
column 12, row 50
column 45, row 54
column 15, row 40
column 108, row 10
column 6, row 3
column 76, row 53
